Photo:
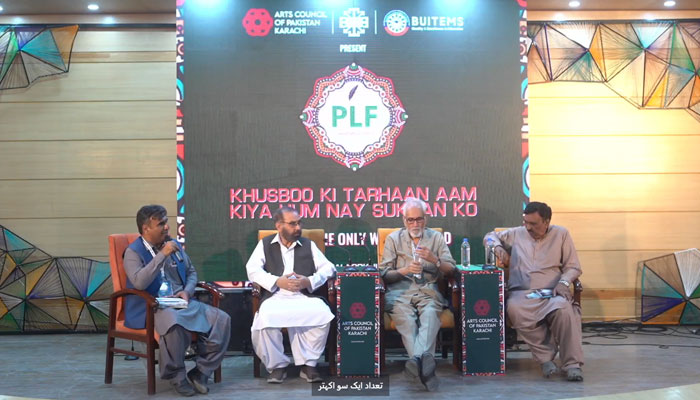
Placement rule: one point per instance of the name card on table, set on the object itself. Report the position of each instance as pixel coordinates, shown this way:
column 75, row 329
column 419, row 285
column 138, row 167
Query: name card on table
column 483, row 328
column 358, row 323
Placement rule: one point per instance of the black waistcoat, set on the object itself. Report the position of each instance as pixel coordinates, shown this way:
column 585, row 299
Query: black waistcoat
column 303, row 264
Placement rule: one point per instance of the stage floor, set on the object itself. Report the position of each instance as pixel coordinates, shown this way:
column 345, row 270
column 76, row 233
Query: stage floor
column 60, row 366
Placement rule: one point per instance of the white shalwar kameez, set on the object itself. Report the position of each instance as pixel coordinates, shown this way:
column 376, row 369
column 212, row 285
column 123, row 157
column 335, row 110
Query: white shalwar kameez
column 307, row 319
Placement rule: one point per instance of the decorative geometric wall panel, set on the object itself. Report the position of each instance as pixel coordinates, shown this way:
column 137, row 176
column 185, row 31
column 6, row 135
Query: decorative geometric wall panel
column 650, row 64
column 31, row 52
column 43, row 293
column 671, row 289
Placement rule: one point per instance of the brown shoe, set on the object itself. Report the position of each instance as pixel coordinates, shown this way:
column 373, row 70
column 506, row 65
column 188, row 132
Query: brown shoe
column 310, row 374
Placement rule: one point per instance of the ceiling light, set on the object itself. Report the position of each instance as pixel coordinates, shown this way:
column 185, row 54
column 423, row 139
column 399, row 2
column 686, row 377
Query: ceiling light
column 669, row 3
column 1, row 8
column 93, row 7
column 574, row 4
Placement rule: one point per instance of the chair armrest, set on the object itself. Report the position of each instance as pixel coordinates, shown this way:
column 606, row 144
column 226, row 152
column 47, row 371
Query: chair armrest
column 151, row 301
column 215, row 293
column 332, row 298
column 578, row 288
column 257, row 294
column 151, row 305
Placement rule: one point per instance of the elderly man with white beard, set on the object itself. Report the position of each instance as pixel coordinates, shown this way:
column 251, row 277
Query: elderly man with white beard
column 414, row 259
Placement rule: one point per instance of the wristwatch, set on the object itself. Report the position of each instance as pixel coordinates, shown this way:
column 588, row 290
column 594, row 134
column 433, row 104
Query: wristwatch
column 565, row 283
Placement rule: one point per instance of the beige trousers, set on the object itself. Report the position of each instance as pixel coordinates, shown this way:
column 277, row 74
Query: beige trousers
column 560, row 330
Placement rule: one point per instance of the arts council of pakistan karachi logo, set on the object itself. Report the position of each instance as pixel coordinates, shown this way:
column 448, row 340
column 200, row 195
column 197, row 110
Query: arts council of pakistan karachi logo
column 354, row 116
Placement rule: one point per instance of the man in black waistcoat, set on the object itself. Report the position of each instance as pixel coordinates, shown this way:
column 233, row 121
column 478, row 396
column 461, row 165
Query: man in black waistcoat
column 290, row 269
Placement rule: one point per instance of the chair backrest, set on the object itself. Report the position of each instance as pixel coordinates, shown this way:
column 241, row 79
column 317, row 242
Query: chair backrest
column 118, row 243
column 382, row 233
column 315, row 235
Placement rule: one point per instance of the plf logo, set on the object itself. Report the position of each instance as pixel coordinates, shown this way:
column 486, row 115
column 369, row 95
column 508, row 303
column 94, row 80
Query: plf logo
column 354, row 116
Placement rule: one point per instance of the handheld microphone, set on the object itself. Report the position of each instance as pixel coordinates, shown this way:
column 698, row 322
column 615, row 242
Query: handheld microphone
column 177, row 254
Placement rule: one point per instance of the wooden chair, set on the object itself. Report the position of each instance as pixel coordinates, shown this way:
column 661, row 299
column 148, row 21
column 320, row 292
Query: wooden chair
column 318, row 237
column 511, row 334
column 449, row 287
column 117, row 245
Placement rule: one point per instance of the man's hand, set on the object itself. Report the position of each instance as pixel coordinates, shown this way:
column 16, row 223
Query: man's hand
column 289, row 282
column 502, row 256
column 425, row 254
column 563, row 291
column 183, row 295
column 169, row 248
column 304, row 281
column 414, row 267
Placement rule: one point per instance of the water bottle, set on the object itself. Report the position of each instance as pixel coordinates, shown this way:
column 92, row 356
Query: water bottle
column 490, row 253
column 416, row 258
column 165, row 289
column 466, row 253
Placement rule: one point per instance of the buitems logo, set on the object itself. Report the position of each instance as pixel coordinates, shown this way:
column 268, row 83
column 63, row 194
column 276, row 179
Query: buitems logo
column 357, row 310
column 257, row 22
column 354, row 116
column 354, row 22
column 482, row 308
column 396, row 23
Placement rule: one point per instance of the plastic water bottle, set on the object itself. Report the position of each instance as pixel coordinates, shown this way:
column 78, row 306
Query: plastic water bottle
column 165, row 289
column 490, row 253
column 416, row 258
column 466, row 253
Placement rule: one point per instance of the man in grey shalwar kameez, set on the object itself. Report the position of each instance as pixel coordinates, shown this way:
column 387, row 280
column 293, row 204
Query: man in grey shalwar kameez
column 414, row 259
column 143, row 261
column 543, row 256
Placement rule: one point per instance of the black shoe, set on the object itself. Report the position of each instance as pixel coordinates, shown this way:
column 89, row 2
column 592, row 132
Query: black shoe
column 183, row 387
column 412, row 368
column 310, row 374
column 427, row 372
column 277, row 375
column 198, row 380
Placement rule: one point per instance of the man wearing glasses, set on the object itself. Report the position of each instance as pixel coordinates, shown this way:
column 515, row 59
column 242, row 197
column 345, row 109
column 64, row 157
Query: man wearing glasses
column 290, row 268
column 414, row 259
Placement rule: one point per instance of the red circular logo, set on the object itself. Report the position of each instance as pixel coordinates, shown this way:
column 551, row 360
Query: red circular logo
column 357, row 310
column 257, row 22
column 482, row 308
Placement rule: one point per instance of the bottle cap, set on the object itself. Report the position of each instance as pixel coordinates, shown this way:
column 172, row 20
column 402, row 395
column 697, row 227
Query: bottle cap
column 465, row 239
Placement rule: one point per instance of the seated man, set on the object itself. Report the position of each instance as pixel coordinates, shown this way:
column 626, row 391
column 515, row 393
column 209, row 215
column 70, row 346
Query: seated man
column 144, row 260
column 413, row 261
column 542, row 256
column 290, row 269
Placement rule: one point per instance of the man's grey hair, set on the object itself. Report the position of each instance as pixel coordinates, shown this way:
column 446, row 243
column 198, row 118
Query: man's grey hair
column 412, row 202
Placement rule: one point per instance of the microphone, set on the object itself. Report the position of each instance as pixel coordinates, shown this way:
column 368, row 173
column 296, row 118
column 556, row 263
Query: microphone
column 177, row 254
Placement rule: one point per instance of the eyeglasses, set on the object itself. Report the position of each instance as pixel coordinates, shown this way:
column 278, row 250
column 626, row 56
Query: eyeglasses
column 293, row 223
column 414, row 220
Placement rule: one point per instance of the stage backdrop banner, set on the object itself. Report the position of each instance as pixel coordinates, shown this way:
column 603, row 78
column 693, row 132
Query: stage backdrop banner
column 342, row 110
